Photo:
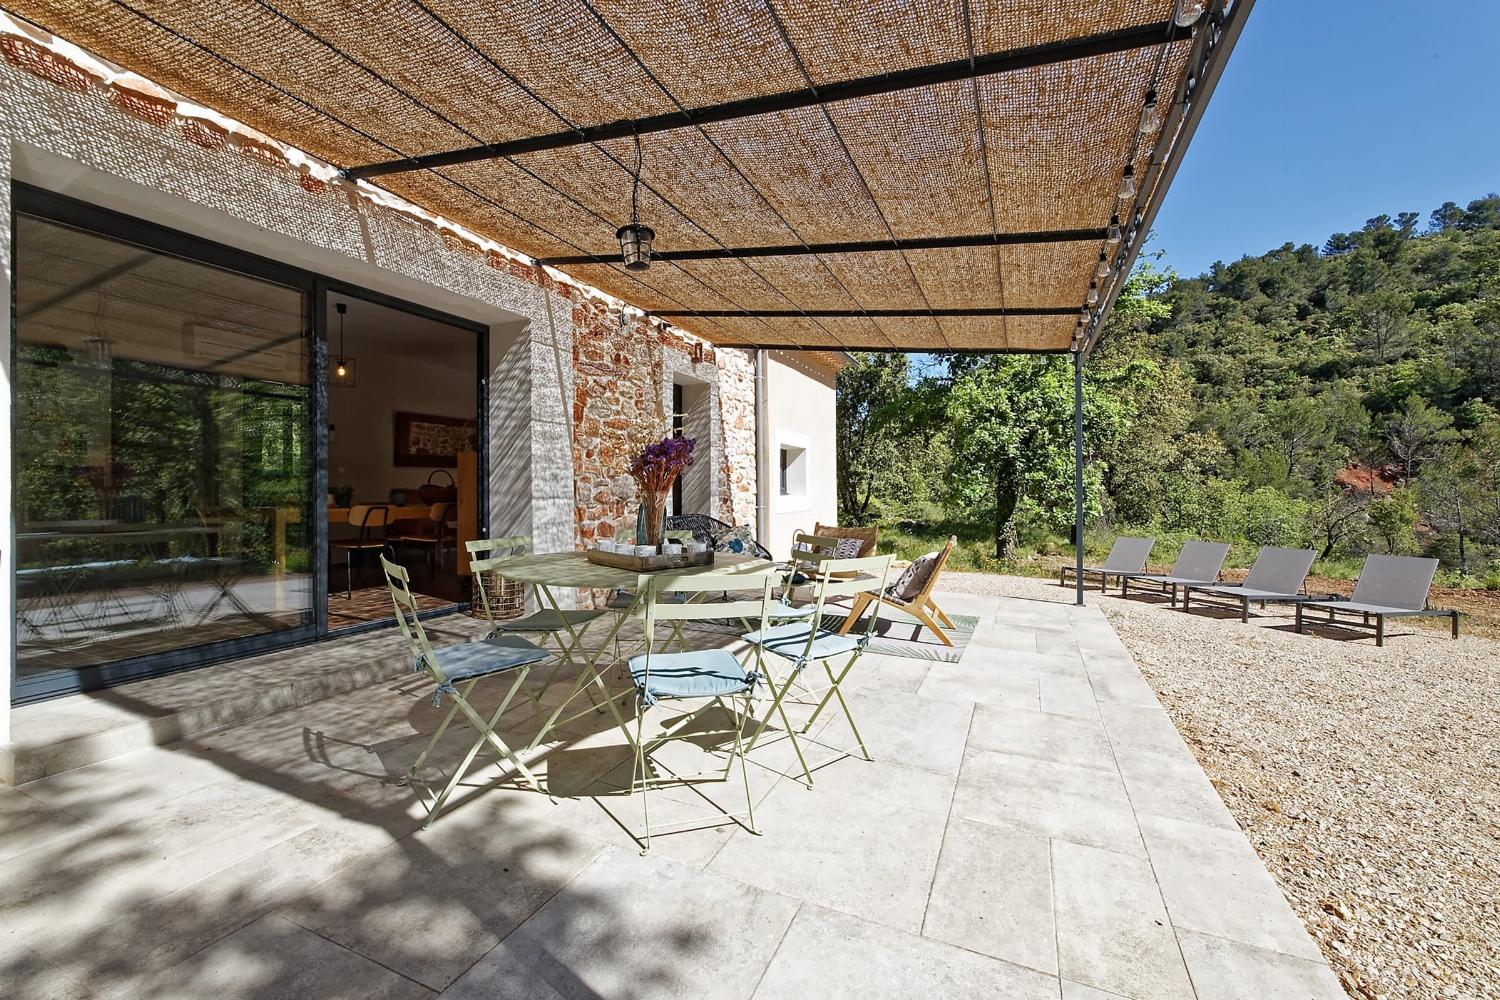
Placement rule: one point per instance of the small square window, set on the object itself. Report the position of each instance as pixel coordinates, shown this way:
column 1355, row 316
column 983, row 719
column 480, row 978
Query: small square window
column 793, row 471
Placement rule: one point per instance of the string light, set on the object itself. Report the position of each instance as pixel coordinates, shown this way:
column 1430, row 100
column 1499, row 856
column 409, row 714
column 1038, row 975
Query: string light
column 1093, row 296
column 1112, row 234
column 1188, row 12
column 1101, row 270
column 1150, row 114
column 1127, row 183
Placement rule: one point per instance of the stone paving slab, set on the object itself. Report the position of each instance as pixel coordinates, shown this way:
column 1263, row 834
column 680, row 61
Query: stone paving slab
column 1031, row 825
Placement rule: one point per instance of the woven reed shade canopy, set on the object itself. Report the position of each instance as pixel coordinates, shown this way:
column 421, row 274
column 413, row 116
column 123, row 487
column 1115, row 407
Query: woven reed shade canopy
column 820, row 174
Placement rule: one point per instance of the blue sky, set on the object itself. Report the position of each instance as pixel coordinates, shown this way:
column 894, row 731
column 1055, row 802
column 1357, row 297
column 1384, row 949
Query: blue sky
column 1331, row 112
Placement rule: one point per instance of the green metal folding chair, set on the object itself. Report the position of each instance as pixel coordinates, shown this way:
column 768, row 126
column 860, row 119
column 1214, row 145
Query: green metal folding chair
column 803, row 643
column 565, row 627
column 809, row 552
column 714, row 677
column 457, row 669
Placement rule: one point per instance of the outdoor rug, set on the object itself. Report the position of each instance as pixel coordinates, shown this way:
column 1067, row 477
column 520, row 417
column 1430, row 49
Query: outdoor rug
column 896, row 634
column 899, row 634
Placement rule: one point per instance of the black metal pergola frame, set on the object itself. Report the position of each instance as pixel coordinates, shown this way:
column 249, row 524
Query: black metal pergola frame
column 1212, row 37
column 977, row 66
column 1205, row 66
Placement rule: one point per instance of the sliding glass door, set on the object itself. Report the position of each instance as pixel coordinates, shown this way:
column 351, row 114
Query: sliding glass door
column 163, row 450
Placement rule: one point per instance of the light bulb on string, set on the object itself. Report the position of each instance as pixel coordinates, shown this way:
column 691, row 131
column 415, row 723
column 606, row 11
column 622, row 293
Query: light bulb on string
column 1112, row 234
column 1127, row 183
column 1150, row 114
column 1093, row 296
column 1188, row 12
column 1101, row 269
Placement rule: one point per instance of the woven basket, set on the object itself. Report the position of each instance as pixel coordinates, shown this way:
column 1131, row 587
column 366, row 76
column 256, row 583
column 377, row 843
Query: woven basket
column 507, row 598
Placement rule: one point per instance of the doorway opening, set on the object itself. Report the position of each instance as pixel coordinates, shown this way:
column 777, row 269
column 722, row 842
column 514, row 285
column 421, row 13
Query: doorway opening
column 403, row 462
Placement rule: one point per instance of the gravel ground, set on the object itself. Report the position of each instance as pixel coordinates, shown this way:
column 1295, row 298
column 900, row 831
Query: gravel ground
column 1367, row 779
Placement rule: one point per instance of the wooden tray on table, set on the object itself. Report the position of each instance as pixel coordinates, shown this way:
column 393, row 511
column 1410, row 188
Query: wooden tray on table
column 650, row 564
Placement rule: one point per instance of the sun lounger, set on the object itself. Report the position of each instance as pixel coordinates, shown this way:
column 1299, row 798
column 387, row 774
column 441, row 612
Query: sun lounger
column 1276, row 578
column 1198, row 562
column 1127, row 555
column 1388, row 587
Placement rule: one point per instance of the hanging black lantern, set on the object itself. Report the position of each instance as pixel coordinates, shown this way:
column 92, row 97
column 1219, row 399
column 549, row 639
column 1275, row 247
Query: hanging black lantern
column 635, row 239
column 635, row 245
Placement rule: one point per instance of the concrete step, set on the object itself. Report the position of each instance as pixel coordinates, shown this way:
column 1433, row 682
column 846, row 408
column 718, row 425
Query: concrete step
column 82, row 729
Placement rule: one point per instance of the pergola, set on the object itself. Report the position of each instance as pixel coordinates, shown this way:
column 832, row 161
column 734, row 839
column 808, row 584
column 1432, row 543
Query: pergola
column 822, row 174
column 917, row 175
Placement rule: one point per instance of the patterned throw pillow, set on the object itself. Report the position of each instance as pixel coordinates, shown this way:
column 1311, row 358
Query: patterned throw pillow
column 848, row 548
column 910, row 583
column 738, row 540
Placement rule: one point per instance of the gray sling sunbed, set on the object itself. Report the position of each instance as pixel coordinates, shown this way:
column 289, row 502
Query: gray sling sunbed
column 1198, row 562
column 1276, row 577
column 1388, row 587
column 1127, row 555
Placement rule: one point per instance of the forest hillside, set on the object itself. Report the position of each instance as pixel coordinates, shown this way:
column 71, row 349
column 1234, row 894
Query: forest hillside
column 1345, row 397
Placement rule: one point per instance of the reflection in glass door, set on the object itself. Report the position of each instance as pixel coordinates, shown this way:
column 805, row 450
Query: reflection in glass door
column 163, row 457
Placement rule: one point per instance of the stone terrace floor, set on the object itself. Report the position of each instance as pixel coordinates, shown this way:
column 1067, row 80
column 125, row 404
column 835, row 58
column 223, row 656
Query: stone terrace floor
column 1033, row 826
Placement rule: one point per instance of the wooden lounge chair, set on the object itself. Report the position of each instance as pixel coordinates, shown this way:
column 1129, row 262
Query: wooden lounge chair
column 1277, row 577
column 1198, row 562
column 1127, row 555
column 1388, row 587
column 912, row 595
column 868, row 535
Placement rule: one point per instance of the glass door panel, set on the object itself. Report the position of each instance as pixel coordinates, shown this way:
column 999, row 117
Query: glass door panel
column 163, row 456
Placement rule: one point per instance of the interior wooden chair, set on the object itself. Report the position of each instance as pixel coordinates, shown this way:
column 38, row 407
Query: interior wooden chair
column 912, row 594
column 372, row 520
column 430, row 535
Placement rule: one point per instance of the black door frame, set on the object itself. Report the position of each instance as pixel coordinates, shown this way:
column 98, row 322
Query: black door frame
column 64, row 210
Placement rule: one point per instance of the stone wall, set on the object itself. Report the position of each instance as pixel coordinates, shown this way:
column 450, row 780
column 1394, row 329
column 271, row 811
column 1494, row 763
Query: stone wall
column 623, row 375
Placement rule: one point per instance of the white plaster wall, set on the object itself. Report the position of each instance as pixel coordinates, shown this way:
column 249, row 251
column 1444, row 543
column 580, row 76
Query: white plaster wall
column 362, row 452
column 799, row 412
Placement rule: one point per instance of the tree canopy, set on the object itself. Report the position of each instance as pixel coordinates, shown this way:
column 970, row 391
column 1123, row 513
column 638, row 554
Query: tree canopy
column 1343, row 395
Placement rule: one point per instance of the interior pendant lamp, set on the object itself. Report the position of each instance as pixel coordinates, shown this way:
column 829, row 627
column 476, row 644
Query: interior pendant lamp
column 635, row 239
column 341, row 372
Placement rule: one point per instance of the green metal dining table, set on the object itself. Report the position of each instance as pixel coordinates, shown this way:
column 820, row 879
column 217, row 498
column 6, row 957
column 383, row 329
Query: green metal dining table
column 552, row 572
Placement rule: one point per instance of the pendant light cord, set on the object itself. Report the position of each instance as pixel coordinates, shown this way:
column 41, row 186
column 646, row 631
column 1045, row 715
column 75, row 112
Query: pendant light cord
column 635, row 186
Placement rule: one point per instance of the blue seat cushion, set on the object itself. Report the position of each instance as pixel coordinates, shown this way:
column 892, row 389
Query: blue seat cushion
column 465, row 661
column 705, row 673
column 781, row 610
column 548, row 620
column 622, row 600
column 790, row 640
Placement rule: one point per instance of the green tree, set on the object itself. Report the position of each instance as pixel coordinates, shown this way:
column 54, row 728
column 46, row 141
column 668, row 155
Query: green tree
column 1393, row 517
column 1416, row 433
column 873, row 412
column 1013, row 440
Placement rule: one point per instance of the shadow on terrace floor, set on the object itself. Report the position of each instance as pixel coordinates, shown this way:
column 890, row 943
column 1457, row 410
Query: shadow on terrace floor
column 279, row 858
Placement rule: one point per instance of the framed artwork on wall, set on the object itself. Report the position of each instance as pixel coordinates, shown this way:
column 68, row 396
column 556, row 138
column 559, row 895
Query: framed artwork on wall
column 423, row 439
